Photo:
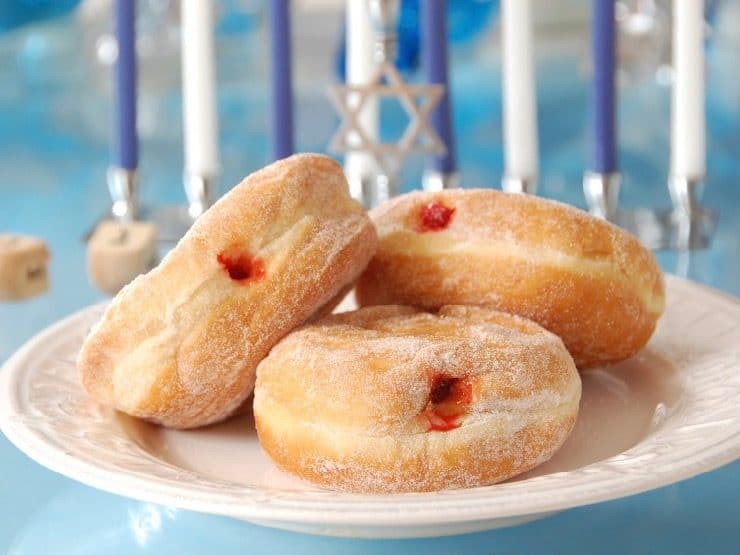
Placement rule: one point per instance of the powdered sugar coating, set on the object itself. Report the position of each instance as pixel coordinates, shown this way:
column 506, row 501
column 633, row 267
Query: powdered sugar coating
column 342, row 402
column 180, row 345
column 585, row 279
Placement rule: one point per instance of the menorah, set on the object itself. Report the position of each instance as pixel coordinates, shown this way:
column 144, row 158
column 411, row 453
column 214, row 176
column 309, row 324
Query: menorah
column 372, row 167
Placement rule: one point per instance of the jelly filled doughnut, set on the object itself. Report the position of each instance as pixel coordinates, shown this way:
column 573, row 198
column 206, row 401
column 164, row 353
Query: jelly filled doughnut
column 393, row 399
column 179, row 346
column 584, row 279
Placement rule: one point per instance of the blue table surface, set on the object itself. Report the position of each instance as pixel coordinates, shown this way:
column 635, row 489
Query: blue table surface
column 52, row 165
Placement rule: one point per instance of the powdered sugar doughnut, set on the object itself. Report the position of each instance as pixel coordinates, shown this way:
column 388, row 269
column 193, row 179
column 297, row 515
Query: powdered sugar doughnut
column 393, row 399
column 580, row 277
column 180, row 345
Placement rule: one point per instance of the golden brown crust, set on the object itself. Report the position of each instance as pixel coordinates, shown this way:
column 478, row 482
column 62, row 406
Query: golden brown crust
column 180, row 345
column 582, row 278
column 349, row 402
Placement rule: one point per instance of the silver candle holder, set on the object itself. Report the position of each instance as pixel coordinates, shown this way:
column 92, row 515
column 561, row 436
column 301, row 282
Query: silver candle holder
column 687, row 225
column 435, row 180
column 123, row 186
column 519, row 184
column 602, row 194
column 199, row 190
column 171, row 221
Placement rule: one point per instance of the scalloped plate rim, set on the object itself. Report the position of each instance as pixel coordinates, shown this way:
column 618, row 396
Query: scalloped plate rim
column 336, row 508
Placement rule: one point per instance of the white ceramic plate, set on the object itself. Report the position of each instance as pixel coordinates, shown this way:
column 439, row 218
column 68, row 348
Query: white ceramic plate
column 667, row 414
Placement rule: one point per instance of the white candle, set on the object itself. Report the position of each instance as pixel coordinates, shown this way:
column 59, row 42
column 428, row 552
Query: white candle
column 688, row 149
column 519, row 101
column 360, row 67
column 200, row 118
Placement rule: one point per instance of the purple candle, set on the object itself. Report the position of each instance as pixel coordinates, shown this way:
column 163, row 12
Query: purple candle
column 604, row 156
column 282, row 88
column 126, row 147
column 434, row 59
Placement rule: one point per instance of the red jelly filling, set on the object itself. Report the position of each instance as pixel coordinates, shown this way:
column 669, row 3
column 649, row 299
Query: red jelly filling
column 240, row 266
column 435, row 216
column 447, row 401
column 439, row 423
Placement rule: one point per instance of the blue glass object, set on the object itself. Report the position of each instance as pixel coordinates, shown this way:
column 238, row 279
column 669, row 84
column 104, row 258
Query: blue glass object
column 15, row 13
column 408, row 36
column 340, row 56
column 467, row 19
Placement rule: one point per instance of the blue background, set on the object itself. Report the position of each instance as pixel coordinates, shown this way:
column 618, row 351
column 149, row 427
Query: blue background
column 53, row 156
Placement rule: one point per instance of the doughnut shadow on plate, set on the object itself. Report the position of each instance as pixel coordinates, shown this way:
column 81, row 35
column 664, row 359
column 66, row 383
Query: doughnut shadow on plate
column 620, row 406
column 228, row 451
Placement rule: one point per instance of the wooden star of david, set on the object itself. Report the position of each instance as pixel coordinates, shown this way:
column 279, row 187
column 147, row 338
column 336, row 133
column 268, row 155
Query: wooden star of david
column 418, row 138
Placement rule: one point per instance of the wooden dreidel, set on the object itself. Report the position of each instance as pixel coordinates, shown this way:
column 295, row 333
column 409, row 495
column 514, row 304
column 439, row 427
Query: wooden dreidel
column 24, row 269
column 117, row 252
